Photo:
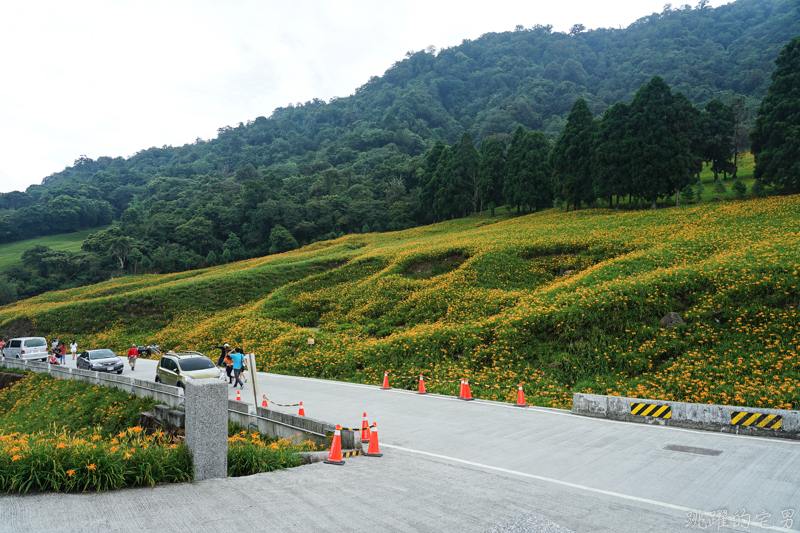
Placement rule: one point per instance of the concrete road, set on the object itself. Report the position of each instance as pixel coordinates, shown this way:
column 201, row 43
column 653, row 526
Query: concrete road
column 451, row 465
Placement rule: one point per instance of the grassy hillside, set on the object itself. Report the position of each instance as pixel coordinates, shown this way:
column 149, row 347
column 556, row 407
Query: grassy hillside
column 562, row 302
column 71, row 242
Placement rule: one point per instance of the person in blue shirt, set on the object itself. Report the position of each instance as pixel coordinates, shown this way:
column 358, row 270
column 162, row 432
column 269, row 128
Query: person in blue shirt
column 238, row 366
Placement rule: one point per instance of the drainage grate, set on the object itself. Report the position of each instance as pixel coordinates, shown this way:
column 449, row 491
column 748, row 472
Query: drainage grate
column 691, row 449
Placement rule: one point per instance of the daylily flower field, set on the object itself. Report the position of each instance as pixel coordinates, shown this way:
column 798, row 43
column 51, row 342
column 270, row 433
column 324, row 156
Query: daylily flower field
column 560, row 302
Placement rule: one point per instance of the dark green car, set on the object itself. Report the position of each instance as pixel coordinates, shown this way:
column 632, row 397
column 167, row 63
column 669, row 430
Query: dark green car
column 177, row 368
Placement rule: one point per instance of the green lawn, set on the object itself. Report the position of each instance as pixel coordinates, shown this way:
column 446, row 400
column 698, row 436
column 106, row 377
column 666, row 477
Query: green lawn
column 12, row 252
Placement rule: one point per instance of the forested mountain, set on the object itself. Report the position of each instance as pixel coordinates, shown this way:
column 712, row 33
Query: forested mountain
column 317, row 170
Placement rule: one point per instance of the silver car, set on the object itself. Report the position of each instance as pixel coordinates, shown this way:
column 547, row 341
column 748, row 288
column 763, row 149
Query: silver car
column 27, row 348
column 102, row 360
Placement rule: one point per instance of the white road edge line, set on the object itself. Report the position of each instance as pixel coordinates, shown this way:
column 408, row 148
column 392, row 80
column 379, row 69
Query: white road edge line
column 566, row 483
column 545, row 410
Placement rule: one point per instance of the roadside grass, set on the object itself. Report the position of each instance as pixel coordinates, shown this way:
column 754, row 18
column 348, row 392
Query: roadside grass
column 67, row 435
column 561, row 302
column 12, row 252
column 37, row 402
column 250, row 453
column 58, row 460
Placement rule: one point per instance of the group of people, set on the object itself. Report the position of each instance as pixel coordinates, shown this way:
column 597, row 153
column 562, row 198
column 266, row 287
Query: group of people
column 58, row 351
column 234, row 362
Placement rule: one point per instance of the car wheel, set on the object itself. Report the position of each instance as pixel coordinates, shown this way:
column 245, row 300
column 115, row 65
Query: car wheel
column 119, row 371
column 181, row 385
column 158, row 379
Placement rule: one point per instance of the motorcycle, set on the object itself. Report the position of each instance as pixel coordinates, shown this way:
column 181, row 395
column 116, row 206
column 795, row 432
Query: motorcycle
column 150, row 349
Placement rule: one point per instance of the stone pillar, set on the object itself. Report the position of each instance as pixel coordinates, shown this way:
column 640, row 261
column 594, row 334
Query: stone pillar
column 206, row 407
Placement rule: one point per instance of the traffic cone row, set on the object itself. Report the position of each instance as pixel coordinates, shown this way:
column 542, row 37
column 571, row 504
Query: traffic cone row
column 302, row 411
column 463, row 394
column 264, row 403
column 238, row 396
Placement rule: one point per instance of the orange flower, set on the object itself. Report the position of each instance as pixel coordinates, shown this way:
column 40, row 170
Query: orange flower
column 91, row 467
column 61, row 445
column 16, row 458
column 70, row 473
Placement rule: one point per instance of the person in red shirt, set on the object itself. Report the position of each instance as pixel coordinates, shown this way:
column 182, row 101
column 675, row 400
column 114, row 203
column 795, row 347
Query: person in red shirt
column 133, row 354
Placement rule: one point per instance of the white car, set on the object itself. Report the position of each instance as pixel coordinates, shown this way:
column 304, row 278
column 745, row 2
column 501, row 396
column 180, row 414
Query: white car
column 27, row 348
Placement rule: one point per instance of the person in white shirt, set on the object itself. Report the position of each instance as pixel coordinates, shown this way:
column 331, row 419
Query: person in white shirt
column 73, row 347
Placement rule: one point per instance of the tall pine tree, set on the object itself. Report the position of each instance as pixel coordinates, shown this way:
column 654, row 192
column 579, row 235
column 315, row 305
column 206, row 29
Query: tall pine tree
column 662, row 129
column 612, row 157
column 512, row 187
column 718, row 148
column 572, row 155
column 427, row 183
column 466, row 163
column 775, row 140
column 536, row 172
column 491, row 174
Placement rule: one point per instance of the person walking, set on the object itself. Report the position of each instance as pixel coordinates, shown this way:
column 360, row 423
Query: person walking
column 62, row 354
column 228, row 361
column 133, row 355
column 2, row 346
column 73, row 347
column 238, row 363
column 222, row 354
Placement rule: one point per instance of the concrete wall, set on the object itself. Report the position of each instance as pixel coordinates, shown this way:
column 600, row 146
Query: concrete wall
column 686, row 415
column 288, row 426
column 9, row 378
column 172, row 396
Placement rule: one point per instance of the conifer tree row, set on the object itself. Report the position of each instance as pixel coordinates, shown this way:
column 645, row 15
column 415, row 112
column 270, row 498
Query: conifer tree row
column 652, row 148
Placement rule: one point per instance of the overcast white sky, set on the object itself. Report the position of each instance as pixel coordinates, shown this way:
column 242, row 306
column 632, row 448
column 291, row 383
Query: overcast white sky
column 115, row 77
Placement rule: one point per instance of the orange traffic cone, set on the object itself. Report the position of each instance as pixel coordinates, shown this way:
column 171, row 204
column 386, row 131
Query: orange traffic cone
column 365, row 433
column 335, row 456
column 385, row 385
column 421, row 385
column 264, row 403
column 466, row 394
column 521, row 397
column 374, row 449
column 461, row 392
column 302, row 411
column 238, row 396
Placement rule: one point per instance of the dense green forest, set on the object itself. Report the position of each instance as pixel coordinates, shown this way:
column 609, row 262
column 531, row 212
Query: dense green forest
column 318, row 170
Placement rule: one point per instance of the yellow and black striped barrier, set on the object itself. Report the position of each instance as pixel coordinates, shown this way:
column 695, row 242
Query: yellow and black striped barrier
column 351, row 454
column 756, row 420
column 653, row 410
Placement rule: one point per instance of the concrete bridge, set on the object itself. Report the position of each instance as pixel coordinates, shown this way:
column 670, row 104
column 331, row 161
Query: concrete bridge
column 450, row 465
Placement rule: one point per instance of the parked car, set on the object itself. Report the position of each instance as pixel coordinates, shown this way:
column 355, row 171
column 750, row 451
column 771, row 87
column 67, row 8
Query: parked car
column 176, row 368
column 27, row 348
column 101, row 360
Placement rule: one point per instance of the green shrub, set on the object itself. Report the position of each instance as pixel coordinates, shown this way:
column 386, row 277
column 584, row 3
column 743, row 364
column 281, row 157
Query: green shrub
column 739, row 188
column 687, row 194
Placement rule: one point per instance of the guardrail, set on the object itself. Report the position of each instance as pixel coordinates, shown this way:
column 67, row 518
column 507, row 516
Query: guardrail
column 167, row 394
column 756, row 421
